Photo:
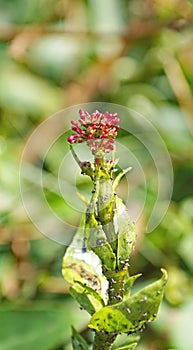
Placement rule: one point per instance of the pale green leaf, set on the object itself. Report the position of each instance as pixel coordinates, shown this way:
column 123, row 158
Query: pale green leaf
column 129, row 283
column 98, row 243
column 126, row 232
column 123, row 341
column 119, row 177
column 132, row 314
column 105, row 200
column 128, row 347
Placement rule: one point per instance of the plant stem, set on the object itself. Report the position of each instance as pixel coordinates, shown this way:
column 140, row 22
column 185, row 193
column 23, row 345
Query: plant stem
column 116, row 281
column 104, row 341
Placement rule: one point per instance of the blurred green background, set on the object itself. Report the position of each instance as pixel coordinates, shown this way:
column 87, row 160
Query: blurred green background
column 57, row 53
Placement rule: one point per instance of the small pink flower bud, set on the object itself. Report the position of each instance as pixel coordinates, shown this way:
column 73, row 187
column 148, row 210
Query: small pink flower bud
column 74, row 122
column 72, row 139
column 97, row 129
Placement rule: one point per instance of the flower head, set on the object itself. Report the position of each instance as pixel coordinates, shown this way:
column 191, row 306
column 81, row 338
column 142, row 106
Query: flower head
column 97, row 129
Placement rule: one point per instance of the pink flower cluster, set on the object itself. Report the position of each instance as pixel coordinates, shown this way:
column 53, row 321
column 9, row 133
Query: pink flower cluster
column 97, row 129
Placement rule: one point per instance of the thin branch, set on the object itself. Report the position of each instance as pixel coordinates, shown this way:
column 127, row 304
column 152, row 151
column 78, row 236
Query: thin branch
column 78, row 161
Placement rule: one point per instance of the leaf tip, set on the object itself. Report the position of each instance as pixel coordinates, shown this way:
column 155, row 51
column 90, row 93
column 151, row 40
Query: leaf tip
column 165, row 274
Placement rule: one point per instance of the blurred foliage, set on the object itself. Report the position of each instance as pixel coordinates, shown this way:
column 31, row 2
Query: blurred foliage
column 57, row 53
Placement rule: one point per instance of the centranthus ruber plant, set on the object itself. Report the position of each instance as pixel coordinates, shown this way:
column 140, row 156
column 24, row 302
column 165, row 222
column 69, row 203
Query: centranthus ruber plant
column 96, row 264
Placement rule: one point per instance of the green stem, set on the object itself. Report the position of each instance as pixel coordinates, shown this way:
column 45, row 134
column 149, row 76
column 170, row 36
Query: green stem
column 104, row 202
column 75, row 156
column 116, row 281
column 103, row 341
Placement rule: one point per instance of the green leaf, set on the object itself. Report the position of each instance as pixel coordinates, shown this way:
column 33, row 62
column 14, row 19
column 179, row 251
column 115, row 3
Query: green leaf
column 98, row 243
column 107, row 256
column 124, row 341
column 132, row 314
column 92, row 292
column 129, row 284
column 128, row 347
column 88, row 298
column 105, row 201
column 105, row 210
column 126, row 233
column 78, row 342
column 119, row 177
column 83, row 300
